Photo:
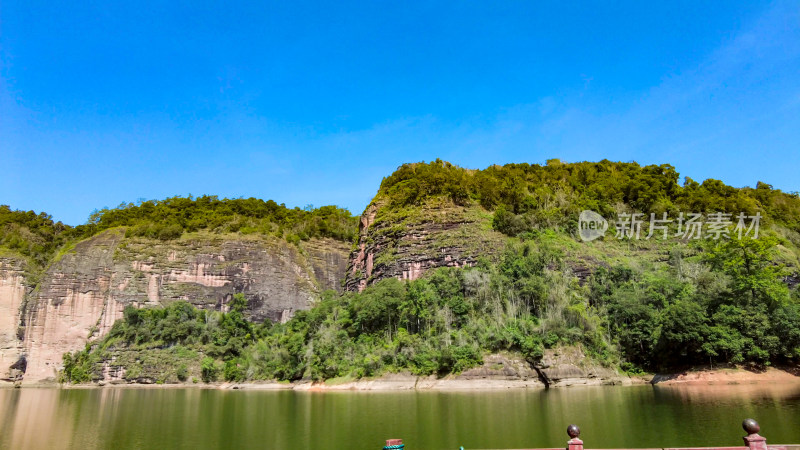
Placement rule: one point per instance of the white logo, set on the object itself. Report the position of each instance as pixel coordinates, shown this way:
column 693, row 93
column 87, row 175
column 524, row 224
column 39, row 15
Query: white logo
column 632, row 225
column 591, row 225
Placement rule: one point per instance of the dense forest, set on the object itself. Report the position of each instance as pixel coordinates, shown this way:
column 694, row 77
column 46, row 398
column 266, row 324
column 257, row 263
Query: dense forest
column 36, row 235
column 168, row 219
column 527, row 197
column 32, row 235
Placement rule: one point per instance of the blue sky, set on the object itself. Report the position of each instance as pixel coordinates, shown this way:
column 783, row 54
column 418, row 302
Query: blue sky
column 313, row 103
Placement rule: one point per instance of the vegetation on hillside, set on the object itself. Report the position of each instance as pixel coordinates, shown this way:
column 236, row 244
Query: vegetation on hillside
column 167, row 219
column 31, row 235
column 168, row 344
column 522, row 197
column 527, row 197
column 36, row 236
column 715, row 302
column 725, row 303
column 638, row 306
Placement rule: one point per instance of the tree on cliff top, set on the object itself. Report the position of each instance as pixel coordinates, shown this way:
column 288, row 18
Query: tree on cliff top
column 552, row 195
column 168, row 218
column 30, row 234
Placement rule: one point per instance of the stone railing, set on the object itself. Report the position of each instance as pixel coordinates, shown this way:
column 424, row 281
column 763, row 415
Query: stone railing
column 753, row 441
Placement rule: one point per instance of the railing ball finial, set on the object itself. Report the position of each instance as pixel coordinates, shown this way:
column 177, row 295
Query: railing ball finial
column 753, row 441
column 751, row 426
column 574, row 442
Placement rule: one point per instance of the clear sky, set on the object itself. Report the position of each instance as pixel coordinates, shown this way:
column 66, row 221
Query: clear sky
column 313, row 103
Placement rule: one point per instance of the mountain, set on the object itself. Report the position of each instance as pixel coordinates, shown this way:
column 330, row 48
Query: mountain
column 437, row 214
column 445, row 266
column 61, row 286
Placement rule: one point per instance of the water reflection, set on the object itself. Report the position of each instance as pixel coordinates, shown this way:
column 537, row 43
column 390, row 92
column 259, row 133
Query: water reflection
column 610, row 417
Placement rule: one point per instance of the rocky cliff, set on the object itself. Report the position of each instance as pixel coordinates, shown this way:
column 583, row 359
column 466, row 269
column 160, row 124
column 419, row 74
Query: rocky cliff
column 85, row 289
column 405, row 243
column 569, row 366
column 12, row 294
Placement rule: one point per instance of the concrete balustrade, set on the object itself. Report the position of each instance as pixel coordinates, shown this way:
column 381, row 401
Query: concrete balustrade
column 753, row 441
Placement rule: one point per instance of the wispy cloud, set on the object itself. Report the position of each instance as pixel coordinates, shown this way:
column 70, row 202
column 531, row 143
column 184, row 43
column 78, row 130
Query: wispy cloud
column 717, row 118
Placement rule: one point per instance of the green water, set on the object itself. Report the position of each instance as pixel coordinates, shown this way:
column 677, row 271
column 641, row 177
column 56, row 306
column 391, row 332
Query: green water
column 609, row 417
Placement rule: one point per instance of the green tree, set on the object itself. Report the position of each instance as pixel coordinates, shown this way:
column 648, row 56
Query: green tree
column 681, row 334
column 750, row 263
column 208, row 369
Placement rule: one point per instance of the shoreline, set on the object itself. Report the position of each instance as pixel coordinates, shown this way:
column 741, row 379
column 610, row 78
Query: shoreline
column 728, row 376
column 408, row 382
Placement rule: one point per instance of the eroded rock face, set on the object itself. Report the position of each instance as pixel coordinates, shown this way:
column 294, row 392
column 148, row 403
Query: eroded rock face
column 501, row 367
column 12, row 294
column 568, row 366
column 277, row 278
column 71, row 303
column 439, row 234
column 85, row 292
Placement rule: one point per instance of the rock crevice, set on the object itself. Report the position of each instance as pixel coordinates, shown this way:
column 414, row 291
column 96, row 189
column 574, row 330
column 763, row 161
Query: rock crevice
column 438, row 234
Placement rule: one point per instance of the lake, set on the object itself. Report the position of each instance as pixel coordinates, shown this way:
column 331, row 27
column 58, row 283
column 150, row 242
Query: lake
column 187, row 418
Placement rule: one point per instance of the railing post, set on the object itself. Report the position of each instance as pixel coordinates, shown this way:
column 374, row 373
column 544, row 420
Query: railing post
column 392, row 444
column 753, row 440
column 574, row 443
